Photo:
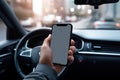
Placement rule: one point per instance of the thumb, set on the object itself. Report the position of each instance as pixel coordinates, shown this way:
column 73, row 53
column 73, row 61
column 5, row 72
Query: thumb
column 47, row 40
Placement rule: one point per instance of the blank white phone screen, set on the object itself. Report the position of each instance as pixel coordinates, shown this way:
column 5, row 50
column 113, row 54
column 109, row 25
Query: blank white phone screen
column 60, row 43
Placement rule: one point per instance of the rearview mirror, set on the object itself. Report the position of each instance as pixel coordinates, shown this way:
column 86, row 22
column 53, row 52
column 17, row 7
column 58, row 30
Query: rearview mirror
column 95, row 3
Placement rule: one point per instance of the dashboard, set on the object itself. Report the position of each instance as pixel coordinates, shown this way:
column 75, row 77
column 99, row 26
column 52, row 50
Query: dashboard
column 98, row 51
column 100, row 42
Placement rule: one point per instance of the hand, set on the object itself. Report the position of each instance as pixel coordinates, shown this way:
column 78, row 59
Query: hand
column 46, row 54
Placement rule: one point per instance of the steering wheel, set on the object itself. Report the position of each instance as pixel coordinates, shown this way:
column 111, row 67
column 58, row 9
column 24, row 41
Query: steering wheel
column 26, row 58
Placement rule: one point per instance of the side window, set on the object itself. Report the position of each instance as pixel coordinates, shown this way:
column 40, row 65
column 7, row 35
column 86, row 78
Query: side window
column 2, row 31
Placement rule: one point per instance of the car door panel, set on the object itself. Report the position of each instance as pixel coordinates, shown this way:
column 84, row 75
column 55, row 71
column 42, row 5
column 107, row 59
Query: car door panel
column 6, row 58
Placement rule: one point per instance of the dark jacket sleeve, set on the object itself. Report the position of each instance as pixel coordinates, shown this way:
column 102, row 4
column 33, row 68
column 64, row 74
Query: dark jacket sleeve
column 42, row 72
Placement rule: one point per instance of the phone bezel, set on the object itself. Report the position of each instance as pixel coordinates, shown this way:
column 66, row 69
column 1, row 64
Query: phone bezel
column 63, row 25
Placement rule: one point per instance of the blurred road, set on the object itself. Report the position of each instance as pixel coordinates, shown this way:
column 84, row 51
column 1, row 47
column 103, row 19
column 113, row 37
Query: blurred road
column 83, row 24
column 2, row 32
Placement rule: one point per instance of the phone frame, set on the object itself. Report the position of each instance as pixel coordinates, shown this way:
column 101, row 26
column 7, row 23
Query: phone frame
column 63, row 25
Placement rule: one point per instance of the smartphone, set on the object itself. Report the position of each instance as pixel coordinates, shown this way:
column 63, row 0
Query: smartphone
column 60, row 43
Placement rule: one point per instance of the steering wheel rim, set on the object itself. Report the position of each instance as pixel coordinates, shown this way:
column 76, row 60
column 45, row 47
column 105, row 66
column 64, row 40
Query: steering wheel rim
column 39, row 32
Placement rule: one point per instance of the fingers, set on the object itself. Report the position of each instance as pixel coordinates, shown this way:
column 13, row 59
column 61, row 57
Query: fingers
column 72, row 48
column 72, row 42
column 70, row 56
column 71, row 52
column 70, row 59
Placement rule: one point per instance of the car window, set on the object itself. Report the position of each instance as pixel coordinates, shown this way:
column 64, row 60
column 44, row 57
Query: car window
column 2, row 31
column 34, row 14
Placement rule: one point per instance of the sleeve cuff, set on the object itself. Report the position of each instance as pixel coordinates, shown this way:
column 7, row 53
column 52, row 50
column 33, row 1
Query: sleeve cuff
column 47, row 71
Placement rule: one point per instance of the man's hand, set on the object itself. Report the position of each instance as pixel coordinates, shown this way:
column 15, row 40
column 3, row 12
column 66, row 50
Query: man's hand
column 46, row 54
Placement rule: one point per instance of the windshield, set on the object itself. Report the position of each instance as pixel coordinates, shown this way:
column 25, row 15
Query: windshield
column 34, row 14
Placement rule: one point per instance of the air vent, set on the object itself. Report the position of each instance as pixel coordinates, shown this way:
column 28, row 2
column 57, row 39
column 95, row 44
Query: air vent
column 100, row 46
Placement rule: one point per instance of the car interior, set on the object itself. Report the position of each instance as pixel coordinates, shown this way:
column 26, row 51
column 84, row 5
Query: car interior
column 97, row 55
